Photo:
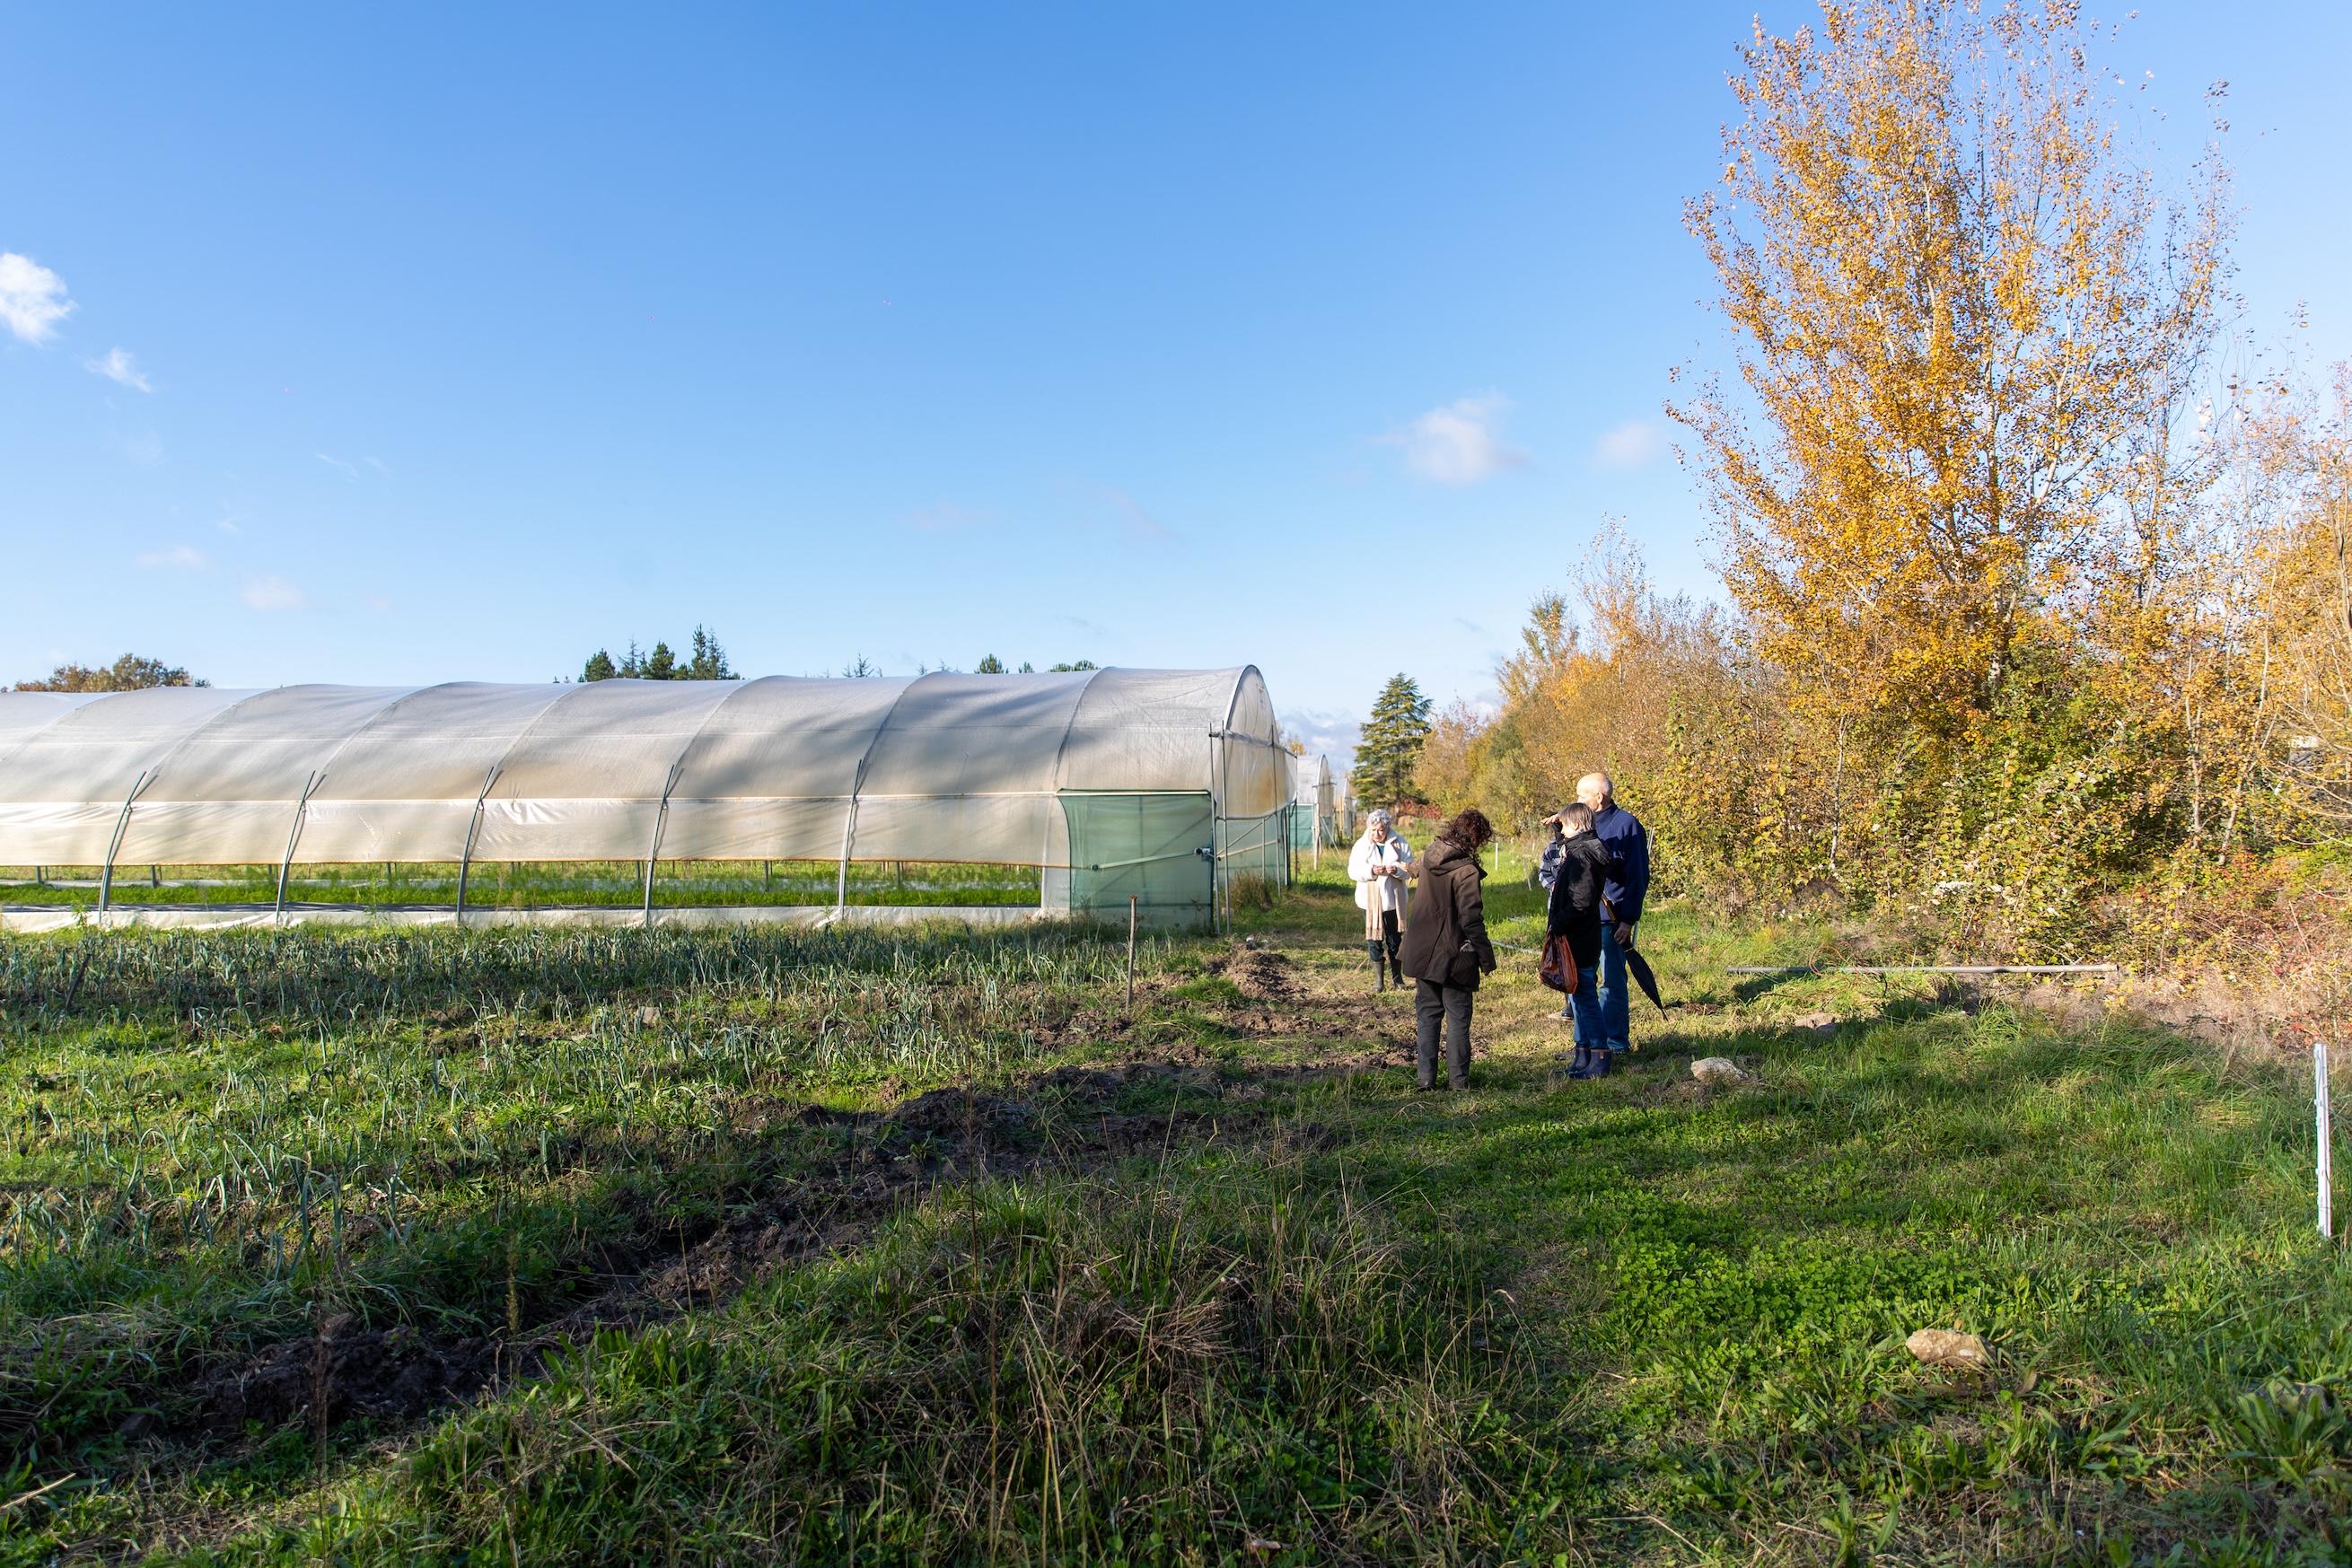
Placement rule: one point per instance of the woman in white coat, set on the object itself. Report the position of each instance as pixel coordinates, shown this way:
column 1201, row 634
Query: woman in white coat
column 1380, row 863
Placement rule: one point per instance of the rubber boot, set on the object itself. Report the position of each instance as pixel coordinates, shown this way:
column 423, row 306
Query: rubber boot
column 1380, row 971
column 1396, row 971
column 1602, row 1058
column 1581, row 1062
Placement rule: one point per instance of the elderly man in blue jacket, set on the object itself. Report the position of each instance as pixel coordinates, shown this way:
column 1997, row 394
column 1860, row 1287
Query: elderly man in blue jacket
column 1628, row 842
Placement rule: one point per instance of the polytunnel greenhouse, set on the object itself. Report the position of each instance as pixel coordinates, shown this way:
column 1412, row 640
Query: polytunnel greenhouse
column 1010, row 796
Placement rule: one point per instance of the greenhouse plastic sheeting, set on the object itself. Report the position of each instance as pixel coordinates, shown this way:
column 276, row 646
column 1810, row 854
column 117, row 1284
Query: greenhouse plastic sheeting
column 938, row 768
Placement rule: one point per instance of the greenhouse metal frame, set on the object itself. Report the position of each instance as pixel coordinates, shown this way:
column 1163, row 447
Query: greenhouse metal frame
column 1162, row 786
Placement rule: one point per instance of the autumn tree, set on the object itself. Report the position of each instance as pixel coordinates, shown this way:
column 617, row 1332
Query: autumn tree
column 131, row 673
column 1962, row 317
column 2297, row 467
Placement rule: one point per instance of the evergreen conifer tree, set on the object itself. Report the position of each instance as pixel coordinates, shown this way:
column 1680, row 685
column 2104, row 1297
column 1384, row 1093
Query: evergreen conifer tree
column 1391, row 746
column 708, row 662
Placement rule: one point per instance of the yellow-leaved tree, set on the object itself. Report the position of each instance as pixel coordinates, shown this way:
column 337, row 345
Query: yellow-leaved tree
column 1962, row 314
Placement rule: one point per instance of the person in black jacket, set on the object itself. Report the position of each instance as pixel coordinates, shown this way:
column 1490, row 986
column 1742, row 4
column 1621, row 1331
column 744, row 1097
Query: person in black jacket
column 1445, row 944
column 1581, row 877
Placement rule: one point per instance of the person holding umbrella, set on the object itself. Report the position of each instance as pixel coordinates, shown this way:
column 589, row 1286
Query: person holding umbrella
column 1628, row 843
column 1582, row 869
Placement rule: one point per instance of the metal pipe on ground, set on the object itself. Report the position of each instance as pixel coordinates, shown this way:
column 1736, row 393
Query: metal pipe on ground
column 1924, row 969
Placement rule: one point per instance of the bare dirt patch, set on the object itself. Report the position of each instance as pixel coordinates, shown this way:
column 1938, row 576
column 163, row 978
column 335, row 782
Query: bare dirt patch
column 1067, row 1118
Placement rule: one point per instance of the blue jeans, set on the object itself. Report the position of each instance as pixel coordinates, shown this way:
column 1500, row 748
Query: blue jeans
column 1613, row 1006
column 1584, row 1005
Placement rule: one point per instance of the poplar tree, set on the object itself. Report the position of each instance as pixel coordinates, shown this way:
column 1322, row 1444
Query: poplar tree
column 1965, row 322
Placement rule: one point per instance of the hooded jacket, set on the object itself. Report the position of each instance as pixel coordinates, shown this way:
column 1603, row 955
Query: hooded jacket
column 1445, row 939
column 1581, row 877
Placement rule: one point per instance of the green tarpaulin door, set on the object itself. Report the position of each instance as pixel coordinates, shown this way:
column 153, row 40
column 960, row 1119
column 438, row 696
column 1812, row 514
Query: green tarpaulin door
column 1149, row 846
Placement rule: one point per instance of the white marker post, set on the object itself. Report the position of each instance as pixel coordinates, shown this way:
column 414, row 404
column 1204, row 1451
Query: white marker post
column 2326, row 1139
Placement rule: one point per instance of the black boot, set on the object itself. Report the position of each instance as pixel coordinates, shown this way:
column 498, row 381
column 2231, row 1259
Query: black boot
column 1396, row 970
column 1582, row 1060
column 1602, row 1057
column 1379, row 973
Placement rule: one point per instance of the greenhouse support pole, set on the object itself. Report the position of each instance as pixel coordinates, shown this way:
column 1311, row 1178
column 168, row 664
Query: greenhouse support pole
column 293, row 837
column 473, row 826
column 1219, row 874
column 653, row 850
column 121, row 822
column 1130, row 952
column 849, row 834
column 857, row 786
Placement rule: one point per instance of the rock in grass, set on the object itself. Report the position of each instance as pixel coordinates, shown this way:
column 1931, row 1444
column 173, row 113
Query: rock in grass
column 1718, row 1070
column 650, row 1017
column 1820, row 1023
column 1949, row 1349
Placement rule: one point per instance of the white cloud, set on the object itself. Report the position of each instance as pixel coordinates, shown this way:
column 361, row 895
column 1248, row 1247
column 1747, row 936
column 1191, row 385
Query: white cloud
column 32, row 298
column 274, row 593
column 1633, row 444
column 338, row 463
column 180, row 558
column 946, row 518
column 119, row 366
column 1331, row 734
column 1460, row 443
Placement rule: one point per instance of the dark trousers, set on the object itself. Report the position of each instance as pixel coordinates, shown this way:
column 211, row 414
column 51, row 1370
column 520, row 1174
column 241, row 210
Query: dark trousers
column 1390, row 939
column 1433, row 1004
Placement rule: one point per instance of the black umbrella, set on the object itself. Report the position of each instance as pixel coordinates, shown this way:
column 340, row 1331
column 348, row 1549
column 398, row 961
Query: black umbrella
column 1641, row 976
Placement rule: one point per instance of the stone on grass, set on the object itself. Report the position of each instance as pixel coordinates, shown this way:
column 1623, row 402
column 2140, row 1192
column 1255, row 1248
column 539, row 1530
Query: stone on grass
column 1950, row 1349
column 1820, row 1023
column 650, row 1017
column 1718, row 1070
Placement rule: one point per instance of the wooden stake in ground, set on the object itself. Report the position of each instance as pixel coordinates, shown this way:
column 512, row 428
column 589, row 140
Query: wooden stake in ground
column 322, row 1374
column 1130, row 952
column 2326, row 1139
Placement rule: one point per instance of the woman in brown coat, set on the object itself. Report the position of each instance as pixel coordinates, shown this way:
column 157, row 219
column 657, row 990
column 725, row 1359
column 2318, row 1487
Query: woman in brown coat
column 1446, row 945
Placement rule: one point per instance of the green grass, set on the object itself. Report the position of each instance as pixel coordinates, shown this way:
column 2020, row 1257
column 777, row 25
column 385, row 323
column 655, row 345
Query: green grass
column 1629, row 1321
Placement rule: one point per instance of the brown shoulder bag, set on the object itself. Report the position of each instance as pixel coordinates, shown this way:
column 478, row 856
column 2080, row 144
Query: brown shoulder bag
column 1558, row 968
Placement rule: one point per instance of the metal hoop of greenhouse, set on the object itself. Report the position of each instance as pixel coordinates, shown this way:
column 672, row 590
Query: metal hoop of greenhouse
column 1012, row 796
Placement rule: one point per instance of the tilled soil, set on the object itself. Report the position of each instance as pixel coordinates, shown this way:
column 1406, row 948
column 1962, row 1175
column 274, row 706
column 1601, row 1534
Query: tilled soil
column 1064, row 1119
column 396, row 1373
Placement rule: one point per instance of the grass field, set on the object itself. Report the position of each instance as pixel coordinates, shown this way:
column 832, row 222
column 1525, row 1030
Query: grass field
column 847, row 1245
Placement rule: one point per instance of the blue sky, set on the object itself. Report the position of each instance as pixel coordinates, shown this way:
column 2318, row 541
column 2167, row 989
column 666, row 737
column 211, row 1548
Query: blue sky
column 435, row 342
